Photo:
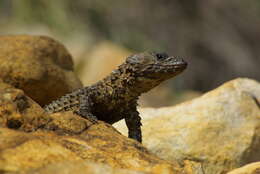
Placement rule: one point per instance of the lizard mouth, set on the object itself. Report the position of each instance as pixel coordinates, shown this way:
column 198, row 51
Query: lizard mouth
column 176, row 68
column 165, row 69
column 174, row 65
column 175, row 62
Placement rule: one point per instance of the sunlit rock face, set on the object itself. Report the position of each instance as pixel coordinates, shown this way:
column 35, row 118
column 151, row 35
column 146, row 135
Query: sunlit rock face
column 218, row 131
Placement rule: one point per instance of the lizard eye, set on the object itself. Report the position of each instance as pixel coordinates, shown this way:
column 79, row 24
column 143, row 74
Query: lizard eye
column 161, row 56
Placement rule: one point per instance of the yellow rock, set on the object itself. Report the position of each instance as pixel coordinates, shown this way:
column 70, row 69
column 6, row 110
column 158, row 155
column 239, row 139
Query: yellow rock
column 81, row 167
column 252, row 168
column 39, row 65
column 31, row 140
column 18, row 111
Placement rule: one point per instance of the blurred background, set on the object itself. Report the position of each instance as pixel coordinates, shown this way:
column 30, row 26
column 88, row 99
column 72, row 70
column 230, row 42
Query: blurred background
column 219, row 39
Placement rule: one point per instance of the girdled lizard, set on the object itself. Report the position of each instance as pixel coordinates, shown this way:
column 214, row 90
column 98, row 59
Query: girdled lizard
column 115, row 97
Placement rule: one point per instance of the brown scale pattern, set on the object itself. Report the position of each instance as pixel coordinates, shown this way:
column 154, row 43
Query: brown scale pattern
column 115, row 97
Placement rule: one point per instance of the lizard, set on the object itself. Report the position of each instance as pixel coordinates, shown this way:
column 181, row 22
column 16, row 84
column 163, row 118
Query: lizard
column 115, row 97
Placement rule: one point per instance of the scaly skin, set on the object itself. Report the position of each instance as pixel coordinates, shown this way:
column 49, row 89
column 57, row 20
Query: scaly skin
column 115, row 97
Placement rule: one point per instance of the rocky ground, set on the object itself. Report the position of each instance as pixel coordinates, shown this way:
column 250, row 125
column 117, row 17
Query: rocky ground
column 216, row 133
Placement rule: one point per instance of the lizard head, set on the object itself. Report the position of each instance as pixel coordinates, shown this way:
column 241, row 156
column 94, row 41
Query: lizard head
column 156, row 66
column 142, row 72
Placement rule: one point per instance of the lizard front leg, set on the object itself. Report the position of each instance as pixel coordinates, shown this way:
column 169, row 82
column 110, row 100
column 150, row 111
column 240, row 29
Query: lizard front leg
column 84, row 109
column 133, row 123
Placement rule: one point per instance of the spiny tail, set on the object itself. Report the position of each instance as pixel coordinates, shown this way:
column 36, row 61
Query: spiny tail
column 65, row 103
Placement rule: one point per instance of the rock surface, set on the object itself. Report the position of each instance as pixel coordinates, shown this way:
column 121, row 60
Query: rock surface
column 18, row 111
column 219, row 131
column 31, row 140
column 81, row 167
column 253, row 168
column 40, row 66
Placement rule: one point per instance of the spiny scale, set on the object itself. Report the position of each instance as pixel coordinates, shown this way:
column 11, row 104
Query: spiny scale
column 66, row 102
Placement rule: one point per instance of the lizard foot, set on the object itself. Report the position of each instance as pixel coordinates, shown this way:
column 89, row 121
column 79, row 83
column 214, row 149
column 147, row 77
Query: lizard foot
column 136, row 135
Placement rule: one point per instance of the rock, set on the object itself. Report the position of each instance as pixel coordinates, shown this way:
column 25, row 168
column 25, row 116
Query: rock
column 31, row 140
column 81, row 167
column 18, row 111
column 219, row 130
column 100, row 143
column 193, row 167
column 38, row 65
column 252, row 168
column 104, row 58
column 163, row 95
